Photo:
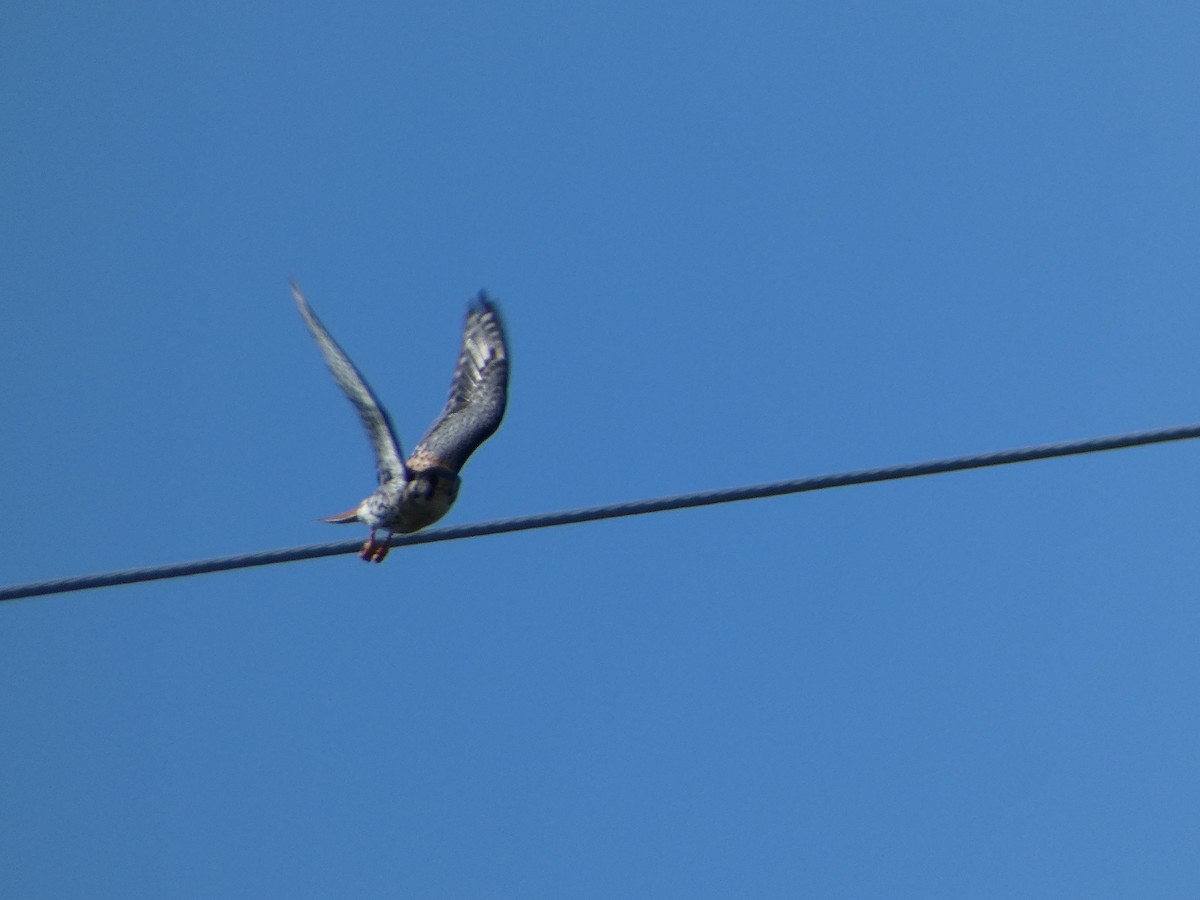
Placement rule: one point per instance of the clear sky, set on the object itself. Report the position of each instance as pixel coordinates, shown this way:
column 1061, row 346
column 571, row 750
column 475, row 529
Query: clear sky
column 733, row 243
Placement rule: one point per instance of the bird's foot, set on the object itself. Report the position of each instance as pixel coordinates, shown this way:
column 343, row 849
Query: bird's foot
column 373, row 551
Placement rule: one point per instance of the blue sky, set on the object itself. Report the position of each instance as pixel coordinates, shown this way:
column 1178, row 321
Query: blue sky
column 733, row 243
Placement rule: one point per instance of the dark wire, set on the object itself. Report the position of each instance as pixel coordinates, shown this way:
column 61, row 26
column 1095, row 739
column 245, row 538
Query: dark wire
column 613, row 511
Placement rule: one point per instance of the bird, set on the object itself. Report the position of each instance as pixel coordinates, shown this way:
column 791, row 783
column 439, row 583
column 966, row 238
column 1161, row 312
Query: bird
column 416, row 493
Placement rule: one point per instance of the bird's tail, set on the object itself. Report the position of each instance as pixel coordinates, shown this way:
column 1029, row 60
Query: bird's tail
column 346, row 518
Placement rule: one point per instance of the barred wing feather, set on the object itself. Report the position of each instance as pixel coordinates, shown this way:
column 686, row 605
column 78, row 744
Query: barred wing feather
column 389, row 463
column 478, row 392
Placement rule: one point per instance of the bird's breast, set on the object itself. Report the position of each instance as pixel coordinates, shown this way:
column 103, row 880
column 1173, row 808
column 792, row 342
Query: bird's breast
column 427, row 497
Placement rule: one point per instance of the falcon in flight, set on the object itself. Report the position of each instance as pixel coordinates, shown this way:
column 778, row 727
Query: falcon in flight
column 417, row 493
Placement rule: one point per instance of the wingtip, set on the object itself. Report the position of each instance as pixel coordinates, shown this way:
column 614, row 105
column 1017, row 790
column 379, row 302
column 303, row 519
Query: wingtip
column 482, row 302
column 296, row 293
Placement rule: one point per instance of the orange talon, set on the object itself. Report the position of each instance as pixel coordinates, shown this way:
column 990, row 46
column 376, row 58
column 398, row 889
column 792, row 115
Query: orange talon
column 367, row 553
column 373, row 551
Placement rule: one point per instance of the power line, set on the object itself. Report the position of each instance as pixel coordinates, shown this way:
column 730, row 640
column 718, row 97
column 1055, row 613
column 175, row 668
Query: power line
column 612, row 511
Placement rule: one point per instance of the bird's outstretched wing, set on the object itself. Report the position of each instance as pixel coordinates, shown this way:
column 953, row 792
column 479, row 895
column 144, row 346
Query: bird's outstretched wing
column 478, row 393
column 389, row 463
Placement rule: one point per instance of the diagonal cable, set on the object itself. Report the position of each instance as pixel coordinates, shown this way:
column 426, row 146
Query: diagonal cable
column 612, row 511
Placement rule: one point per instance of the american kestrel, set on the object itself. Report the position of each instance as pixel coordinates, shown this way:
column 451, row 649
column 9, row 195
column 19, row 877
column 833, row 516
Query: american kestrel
column 417, row 493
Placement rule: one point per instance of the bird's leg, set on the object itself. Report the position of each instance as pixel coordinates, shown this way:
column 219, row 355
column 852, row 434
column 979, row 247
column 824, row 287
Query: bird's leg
column 368, row 549
column 373, row 551
column 382, row 548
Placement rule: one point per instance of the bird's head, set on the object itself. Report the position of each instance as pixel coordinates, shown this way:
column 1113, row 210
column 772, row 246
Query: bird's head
column 436, row 483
